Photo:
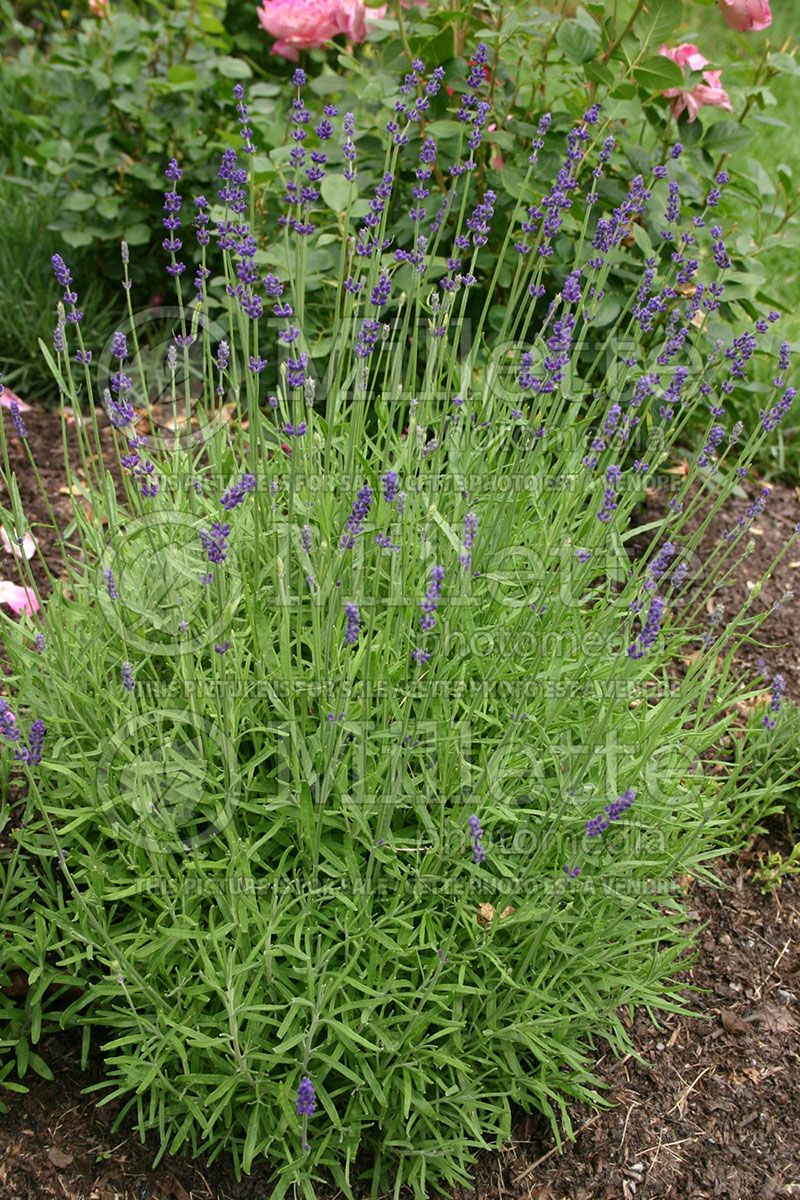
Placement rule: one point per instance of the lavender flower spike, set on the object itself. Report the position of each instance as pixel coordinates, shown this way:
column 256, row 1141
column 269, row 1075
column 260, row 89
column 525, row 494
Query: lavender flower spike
column 20, row 428
column 430, row 603
column 172, row 222
column 612, row 812
column 650, row 629
column 215, row 541
column 32, row 753
column 236, row 493
column 64, row 277
column 470, row 530
column 358, row 516
column 476, row 833
column 8, row 722
column 306, row 1098
column 353, row 624
column 390, row 488
column 776, row 702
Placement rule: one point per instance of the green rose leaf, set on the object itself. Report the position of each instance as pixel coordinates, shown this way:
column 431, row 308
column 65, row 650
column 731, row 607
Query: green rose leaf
column 577, row 42
column 658, row 73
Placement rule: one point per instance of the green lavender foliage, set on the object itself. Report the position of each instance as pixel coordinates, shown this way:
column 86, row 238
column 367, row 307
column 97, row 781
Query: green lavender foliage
column 773, row 758
column 256, row 865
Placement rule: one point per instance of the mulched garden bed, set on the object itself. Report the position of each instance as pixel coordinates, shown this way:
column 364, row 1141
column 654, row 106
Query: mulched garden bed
column 707, row 1109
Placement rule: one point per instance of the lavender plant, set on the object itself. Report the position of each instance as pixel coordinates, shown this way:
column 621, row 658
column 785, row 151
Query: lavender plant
column 358, row 767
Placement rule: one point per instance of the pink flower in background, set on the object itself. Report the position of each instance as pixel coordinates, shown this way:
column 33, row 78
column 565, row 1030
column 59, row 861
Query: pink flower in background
column 710, row 91
column 746, row 16
column 497, row 162
column 70, row 418
column 98, row 8
column 304, row 24
column 11, row 545
column 19, row 599
column 8, row 398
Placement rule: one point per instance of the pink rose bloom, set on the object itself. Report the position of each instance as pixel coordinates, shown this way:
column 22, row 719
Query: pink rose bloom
column 98, row 8
column 710, row 91
column 304, row 24
column 746, row 16
column 18, row 599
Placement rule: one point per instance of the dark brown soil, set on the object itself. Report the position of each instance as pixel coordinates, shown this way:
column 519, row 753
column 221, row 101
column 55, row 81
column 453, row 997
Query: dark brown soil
column 712, row 1108
column 709, row 1108
column 45, row 443
column 778, row 639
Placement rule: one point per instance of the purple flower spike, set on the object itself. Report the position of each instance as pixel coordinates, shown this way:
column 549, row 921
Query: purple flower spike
column 650, row 629
column 771, row 418
column 776, row 702
column 215, row 541
column 8, row 722
column 609, row 505
column 353, row 624
column 64, row 278
column 390, row 487
column 358, row 516
column 20, row 428
column 476, row 833
column 430, row 603
column 612, row 812
column 172, row 222
column 236, row 493
column 244, row 129
column 306, row 1098
column 470, row 532
column 32, row 753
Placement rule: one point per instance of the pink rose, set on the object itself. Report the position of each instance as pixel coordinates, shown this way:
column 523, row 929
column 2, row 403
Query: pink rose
column 98, row 8
column 710, row 91
column 746, row 16
column 19, row 599
column 304, row 24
